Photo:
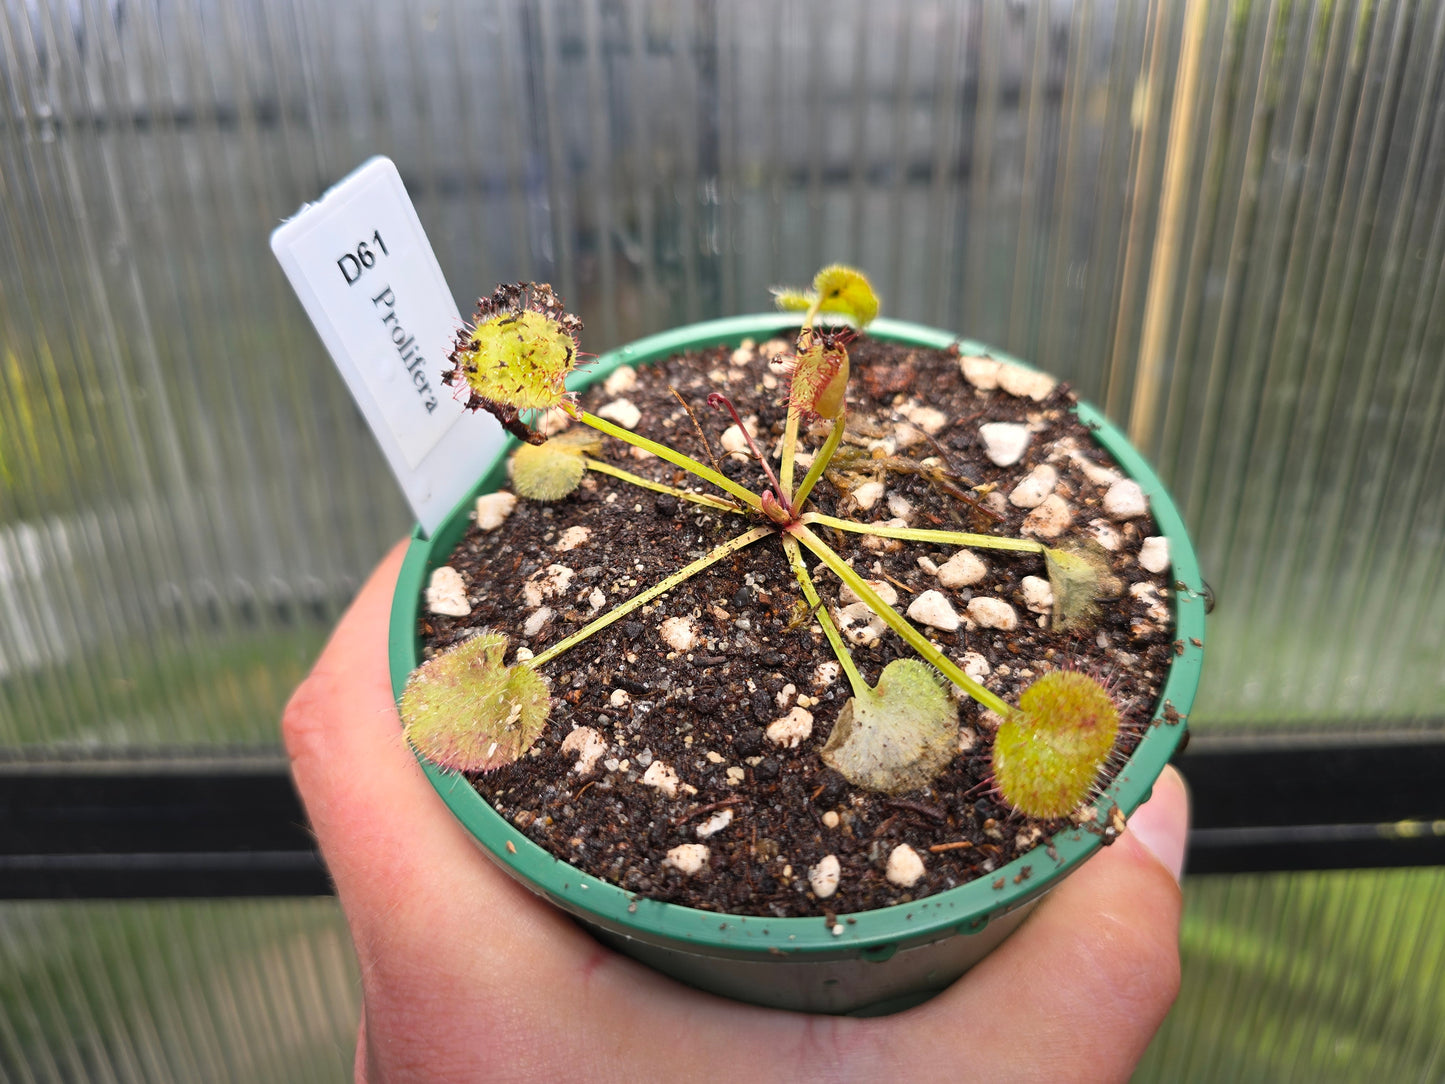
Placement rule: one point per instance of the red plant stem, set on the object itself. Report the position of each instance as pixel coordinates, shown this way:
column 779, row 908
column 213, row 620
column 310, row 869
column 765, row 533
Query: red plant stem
column 718, row 399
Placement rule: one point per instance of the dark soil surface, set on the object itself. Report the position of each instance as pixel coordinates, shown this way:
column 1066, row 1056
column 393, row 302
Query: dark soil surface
column 757, row 655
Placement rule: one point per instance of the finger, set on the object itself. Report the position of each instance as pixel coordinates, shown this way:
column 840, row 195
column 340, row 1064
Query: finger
column 1079, row 990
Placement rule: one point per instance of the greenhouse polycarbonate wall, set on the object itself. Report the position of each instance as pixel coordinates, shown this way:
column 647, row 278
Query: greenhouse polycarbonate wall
column 1224, row 223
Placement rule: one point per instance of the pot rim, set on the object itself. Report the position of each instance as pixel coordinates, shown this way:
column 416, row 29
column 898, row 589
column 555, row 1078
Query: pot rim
column 966, row 908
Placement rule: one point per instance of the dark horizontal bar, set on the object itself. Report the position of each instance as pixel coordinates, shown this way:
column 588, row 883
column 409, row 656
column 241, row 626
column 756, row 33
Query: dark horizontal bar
column 170, row 875
column 218, row 827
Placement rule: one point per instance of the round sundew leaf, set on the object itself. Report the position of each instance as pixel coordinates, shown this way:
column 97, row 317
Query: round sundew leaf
column 521, row 360
column 1048, row 753
column 1079, row 575
column 551, row 471
column 792, row 300
column 466, row 711
column 846, row 291
column 896, row 737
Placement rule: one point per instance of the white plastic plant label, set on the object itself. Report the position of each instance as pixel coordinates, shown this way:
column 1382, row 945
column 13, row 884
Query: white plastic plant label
column 362, row 266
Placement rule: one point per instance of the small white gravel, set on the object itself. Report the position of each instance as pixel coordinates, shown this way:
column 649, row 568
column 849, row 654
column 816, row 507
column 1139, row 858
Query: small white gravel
column 596, row 599
column 620, row 381
column 831, row 819
column 982, row 373
column 446, row 593
column 964, row 569
column 826, row 673
column 825, row 875
column 1125, row 500
column 555, row 580
column 734, row 441
column 1025, row 383
column 536, row 621
column 688, row 858
column 1038, row 595
column 620, row 699
column 573, row 537
column 867, row 495
column 1050, row 519
column 589, row 747
column 792, row 729
column 930, row 419
column 1004, row 442
column 1036, row 488
column 494, row 508
column 662, row 777
column 885, row 590
column 976, row 666
column 934, row 610
column 715, row 824
column 679, row 633
column 1106, row 534
column 1154, row 553
column 905, row 868
column 622, row 411
column 992, row 613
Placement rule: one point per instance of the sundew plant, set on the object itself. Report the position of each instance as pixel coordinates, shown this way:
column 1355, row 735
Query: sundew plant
column 469, row 710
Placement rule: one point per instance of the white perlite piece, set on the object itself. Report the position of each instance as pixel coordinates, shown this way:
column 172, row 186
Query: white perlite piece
column 687, row 858
column 446, row 593
column 678, row 633
column 620, row 381
column 885, row 590
column 536, row 621
column 662, row 777
column 1036, row 488
column 976, row 666
column 930, row 419
column 1154, row 554
column 734, row 442
column 573, row 537
column 964, row 569
column 1038, row 595
column 1004, row 442
column 621, row 411
column 620, row 699
column 866, row 495
column 792, row 729
column 554, row 581
column 982, row 373
column 1050, row 519
column 1106, row 534
column 934, row 610
column 715, row 824
column 905, row 868
column 1025, row 383
column 825, row 673
column 494, row 508
column 859, row 625
column 825, row 875
column 596, row 599
column 587, row 743
column 992, row 613
column 1125, row 499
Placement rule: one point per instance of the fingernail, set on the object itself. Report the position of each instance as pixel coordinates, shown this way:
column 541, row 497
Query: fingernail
column 1162, row 823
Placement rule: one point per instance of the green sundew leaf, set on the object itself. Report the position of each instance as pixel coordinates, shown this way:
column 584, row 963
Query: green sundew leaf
column 1080, row 574
column 846, row 291
column 898, row 736
column 792, row 300
column 551, row 471
column 466, row 711
column 1048, row 753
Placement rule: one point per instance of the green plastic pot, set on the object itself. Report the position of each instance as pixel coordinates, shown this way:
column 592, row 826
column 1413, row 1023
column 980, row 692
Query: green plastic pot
column 883, row 960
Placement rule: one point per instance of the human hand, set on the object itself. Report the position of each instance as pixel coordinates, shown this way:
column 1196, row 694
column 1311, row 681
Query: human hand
column 466, row 975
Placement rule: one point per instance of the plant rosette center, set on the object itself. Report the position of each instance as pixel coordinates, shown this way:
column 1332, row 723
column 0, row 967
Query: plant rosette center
column 706, row 748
